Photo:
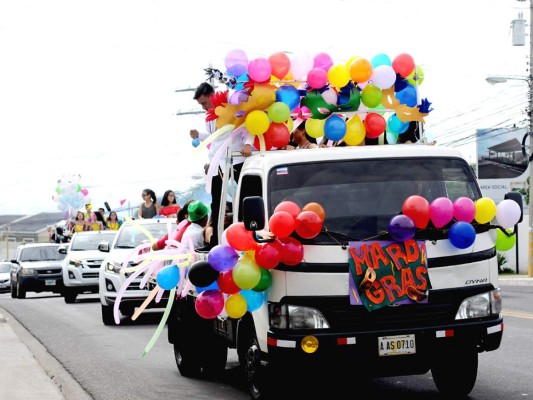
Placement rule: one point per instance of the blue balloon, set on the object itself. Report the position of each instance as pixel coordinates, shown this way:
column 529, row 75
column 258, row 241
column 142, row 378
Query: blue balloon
column 334, row 128
column 168, row 277
column 380, row 59
column 395, row 125
column 407, row 96
column 195, row 142
column 462, row 235
column 213, row 286
column 289, row 95
column 254, row 299
column 222, row 257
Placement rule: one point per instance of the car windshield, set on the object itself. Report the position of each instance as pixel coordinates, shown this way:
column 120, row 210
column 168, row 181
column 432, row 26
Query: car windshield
column 42, row 253
column 5, row 267
column 360, row 197
column 85, row 242
column 132, row 235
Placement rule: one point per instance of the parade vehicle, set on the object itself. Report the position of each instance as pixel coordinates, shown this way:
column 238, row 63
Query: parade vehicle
column 358, row 300
column 81, row 265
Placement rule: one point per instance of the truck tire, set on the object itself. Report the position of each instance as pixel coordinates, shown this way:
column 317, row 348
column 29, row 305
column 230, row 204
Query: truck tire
column 455, row 371
column 69, row 295
column 188, row 362
column 256, row 375
column 13, row 290
column 21, row 292
column 107, row 315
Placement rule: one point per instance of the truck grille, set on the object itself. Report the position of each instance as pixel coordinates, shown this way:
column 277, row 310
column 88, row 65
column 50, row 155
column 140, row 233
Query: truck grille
column 90, row 274
column 49, row 271
column 93, row 263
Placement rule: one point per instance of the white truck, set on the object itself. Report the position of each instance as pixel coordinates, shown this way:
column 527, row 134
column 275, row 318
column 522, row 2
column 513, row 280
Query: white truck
column 307, row 321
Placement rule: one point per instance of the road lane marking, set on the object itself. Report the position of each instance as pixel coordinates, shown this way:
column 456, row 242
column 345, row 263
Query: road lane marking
column 517, row 314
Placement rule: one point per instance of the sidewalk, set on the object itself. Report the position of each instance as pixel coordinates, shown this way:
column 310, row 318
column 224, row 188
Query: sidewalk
column 28, row 371
column 515, row 280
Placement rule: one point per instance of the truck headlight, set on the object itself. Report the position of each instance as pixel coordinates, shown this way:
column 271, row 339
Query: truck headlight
column 113, row 267
column 481, row 305
column 26, row 271
column 287, row 316
column 75, row 263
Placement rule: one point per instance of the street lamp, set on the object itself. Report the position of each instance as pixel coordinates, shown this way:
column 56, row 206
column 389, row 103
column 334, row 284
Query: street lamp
column 494, row 79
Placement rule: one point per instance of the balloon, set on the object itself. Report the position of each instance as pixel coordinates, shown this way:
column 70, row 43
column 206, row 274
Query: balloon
column 257, row 141
column 383, row 77
column 375, row 125
column 401, row 228
column 317, row 208
column 246, row 274
column 277, row 135
column 264, row 282
column 462, row 235
column 485, row 210
column 292, row 251
column 257, row 122
column 202, row 274
column 236, row 62
column 360, row 70
column 334, row 127
column 504, row 242
column 418, row 79
column 315, row 127
column 168, row 277
column 508, row 213
column 236, row 306
column 280, row 64
column 254, row 299
column 239, row 238
column 330, row 96
column 441, row 211
column 281, row 224
column 301, row 64
column 403, row 64
column 417, row 208
column 407, row 96
column 338, row 75
column 308, row 224
column 290, row 206
column 395, row 125
column 279, row 112
column 355, row 131
column 317, row 78
column 371, row 96
column 380, row 59
column 289, row 95
column 226, row 283
column 267, row 256
column 259, row 70
column 209, row 304
column 323, row 61
column 464, row 209
column 195, row 142
column 222, row 257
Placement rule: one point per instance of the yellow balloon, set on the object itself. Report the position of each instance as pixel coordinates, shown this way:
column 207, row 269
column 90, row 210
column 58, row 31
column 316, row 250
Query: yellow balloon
column 355, row 131
column 236, row 306
column 257, row 122
column 338, row 75
column 246, row 273
column 485, row 210
column 350, row 61
column 290, row 124
column 315, row 127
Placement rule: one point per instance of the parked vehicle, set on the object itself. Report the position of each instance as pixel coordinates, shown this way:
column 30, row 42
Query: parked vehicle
column 5, row 276
column 308, row 321
column 81, row 265
column 131, row 234
column 38, row 269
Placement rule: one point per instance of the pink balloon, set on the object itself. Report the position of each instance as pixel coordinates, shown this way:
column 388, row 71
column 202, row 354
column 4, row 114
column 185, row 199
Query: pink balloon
column 464, row 209
column 85, row 192
column 209, row 304
column 441, row 211
column 317, row 78
column 260, row 69
column 323, row 61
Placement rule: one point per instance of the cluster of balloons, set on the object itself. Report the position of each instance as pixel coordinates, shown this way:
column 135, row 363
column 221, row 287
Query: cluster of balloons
column 362, row 97
column 417, row 212
column 237, row 271
column 69, row 195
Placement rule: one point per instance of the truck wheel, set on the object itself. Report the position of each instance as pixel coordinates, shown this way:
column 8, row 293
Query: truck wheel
column 107, row 315
column 69, row 295
column 216, row 357
column 13, row 290
column 187, row 361
column 256, row 375
column 455, row 371
column 21, row 292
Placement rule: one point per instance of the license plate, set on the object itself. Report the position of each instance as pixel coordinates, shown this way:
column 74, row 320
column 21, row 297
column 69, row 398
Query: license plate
column 50, row 282
column 396, row 345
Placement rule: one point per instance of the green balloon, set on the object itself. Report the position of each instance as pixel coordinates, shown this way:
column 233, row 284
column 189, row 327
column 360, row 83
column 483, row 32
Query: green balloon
column 504, row 242
column 279, row 112
column 371, row 96
column 264, row 282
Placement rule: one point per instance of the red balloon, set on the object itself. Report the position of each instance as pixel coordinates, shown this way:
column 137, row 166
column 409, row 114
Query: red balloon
column 277, row 135
column 280, row 63
column 375, row 125
column 209, row 304
column 226, row 284
column 290, row 206
column 292, row 252
column 417, row 208
column 239, row 238
column 281, row 224
column 308, row 224
column 268, row 255
column 403, row 64
column 257, row 144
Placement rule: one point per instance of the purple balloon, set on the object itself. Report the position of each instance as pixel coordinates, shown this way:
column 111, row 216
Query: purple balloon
column 222, row 257
column 401, row 228
column 236, row 62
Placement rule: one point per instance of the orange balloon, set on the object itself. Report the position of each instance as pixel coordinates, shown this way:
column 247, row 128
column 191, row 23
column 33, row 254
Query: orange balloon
column 360, row 70
column 316, row 208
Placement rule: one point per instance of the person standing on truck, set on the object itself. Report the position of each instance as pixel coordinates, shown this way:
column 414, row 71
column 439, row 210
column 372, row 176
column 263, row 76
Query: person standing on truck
column 241, row 143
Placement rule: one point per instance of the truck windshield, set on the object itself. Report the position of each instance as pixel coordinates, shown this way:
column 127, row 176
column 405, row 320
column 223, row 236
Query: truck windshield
column 132, row 235
column 43, row 253
column 361, row 196
column 90, row 242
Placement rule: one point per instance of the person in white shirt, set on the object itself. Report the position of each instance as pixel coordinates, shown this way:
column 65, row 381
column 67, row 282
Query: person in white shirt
column 240, row 143
column 198, row 216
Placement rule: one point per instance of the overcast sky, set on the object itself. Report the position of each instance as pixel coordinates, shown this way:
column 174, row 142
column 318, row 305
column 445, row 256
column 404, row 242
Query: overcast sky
column 88, row 88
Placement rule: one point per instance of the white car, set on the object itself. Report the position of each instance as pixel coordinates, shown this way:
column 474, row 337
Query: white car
column 81, row 265
column 131, row 234
column 5, row 277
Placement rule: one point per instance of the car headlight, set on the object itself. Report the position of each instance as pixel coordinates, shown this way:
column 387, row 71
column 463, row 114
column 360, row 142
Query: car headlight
column 481, row 305
column 113, row 267
column 26, row 271
column 75, row 263
column 287, row 316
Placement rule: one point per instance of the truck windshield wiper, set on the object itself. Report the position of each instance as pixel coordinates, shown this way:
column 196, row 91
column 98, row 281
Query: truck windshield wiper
column 125, row 247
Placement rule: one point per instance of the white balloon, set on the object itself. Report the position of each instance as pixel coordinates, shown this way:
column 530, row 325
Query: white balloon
column 301, row 64
column 383, row 77
column 507, row 213
column 330, row 96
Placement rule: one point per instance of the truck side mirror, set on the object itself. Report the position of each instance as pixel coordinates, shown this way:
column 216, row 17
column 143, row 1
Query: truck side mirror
column 517, row 197
column 253, row 213
column 104, row 247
